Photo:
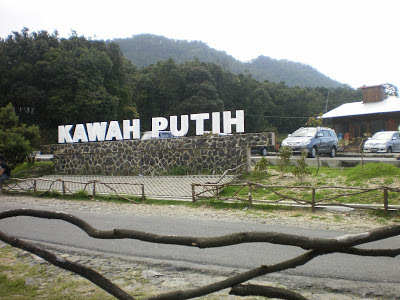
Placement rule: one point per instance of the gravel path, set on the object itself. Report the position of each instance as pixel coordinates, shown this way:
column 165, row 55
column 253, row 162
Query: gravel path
column 157, row 187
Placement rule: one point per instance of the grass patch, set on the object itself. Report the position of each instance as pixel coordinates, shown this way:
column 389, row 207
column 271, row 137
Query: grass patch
column 297, row 215
column 338, row 218
column 17, row 270
column 377, row 174
column 29, row 170
column 219, row 204
column 370, row 171
column 83, row 195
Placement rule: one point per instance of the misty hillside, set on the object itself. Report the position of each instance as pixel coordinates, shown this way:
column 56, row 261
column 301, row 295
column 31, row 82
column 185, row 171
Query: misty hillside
column 147, row 49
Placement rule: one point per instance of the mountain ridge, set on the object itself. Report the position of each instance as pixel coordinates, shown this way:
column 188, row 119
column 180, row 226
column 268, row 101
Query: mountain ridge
column 146, row 49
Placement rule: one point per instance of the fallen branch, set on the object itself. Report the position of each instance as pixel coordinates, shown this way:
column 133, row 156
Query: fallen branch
column 338, row 244
column 315, row 246
column 266, row 291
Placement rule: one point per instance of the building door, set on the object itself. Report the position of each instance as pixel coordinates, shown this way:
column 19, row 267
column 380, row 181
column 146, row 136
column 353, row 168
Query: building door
column 390, row 125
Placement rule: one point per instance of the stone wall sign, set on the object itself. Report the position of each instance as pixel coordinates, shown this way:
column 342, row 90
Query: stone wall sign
column 103, row 148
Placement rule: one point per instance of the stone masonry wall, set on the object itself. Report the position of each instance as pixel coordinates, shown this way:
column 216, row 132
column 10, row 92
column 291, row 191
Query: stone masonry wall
column 132, row 157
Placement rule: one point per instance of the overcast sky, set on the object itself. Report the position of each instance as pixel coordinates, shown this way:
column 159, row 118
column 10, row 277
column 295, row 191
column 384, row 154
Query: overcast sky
column 352, row 41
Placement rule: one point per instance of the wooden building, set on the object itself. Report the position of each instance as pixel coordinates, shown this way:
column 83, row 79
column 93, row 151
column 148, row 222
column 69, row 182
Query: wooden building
column 375, row 113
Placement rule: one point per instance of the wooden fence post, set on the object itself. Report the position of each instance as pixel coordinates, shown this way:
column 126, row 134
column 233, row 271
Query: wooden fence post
column 34, row 185
column 193, row 192
column 63, row 187
column 385, row 200
column 250, row 198
column 313, row 200
column 143, row 196
column 94, row 189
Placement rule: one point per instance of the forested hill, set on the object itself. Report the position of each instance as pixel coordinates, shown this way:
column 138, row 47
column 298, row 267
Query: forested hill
column 52, row 81
column 146, row 49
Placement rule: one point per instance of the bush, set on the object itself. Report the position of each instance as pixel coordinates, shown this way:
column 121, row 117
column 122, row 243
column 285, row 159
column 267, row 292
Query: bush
column 262, row 165
column 16, row 140
column 301, row 169
column 284, row 157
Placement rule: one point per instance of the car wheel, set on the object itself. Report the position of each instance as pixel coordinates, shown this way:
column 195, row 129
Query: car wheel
column 390, row 150
column 264, row 152
column 333, row 152
column 313, row 152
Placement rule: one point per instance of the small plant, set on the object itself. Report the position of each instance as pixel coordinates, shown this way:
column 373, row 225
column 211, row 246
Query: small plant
column 284, row 157
column 177, row 170
column 81, row 194
column 338, row 218
column 388, row 181
column 297, row 215
column 341, row 144
column 262, row 165
column 301, row 169
column 260, row 170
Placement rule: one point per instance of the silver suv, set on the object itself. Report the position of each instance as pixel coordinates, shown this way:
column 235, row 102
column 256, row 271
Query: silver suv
column 313, row 139
column 383, row 141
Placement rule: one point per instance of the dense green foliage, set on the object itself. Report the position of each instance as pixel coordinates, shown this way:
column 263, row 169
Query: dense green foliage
column 167, row 88
column 146, row 49
column 52, row 81
column 16, row 140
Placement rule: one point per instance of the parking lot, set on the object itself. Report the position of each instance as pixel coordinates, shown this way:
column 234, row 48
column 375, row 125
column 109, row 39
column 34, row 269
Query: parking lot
column 342, row 159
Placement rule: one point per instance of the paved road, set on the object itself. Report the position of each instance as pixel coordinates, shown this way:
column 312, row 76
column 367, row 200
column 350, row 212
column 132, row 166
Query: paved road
column 239, row 257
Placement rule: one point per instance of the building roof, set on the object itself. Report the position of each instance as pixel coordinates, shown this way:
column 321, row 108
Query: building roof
column 391, row 104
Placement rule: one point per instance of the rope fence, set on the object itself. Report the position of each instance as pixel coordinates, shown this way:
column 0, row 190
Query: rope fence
column 92, row 187
column 300, row 195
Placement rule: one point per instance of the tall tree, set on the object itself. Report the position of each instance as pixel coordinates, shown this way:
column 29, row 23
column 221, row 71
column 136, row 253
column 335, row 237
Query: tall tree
column 16, row 139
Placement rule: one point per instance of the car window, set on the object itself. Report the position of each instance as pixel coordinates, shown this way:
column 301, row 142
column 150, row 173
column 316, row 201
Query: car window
column 326, row 133
column 305, row 132
column 382, row 135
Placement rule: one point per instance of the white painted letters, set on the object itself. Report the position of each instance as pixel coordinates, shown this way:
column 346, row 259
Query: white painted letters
column 99, row 131
column 229, row 121
column 199, row 118
column 64, row 135
column 114, row 131
column 158, row 124
column 80, row 134
column 96, row 131
column 216, row 126
column 173, row 120
column 134, row 128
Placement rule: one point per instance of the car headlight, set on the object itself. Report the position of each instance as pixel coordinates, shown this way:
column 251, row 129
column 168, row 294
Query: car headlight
column 304, row 143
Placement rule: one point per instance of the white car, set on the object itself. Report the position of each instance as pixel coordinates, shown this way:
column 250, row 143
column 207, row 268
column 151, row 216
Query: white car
column 161, row 135
column 383, row 141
